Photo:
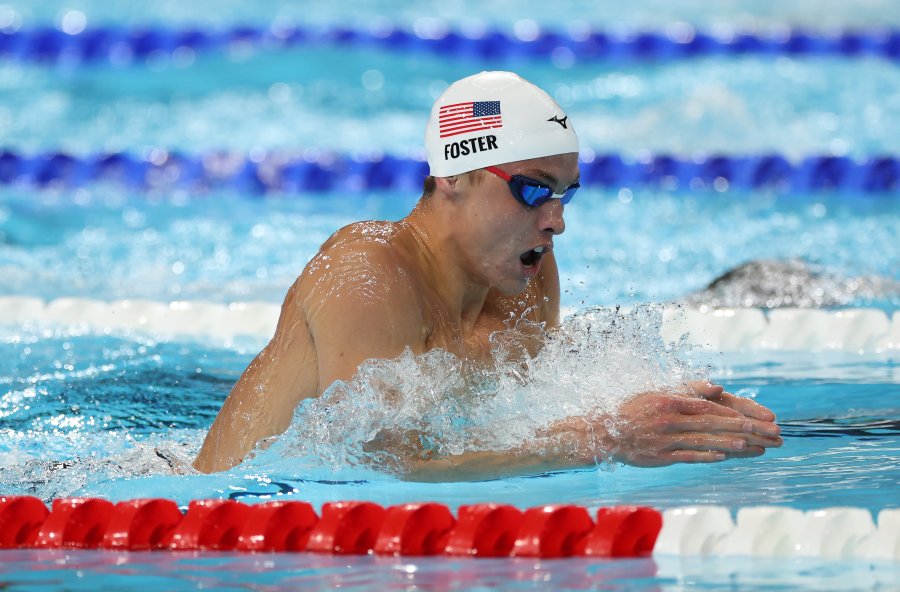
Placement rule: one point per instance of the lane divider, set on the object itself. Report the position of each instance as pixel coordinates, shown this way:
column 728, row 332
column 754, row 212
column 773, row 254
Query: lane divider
column 858, row 330
column 121, row 46
column 429, row 528
column 290, row 173
column 344, row 528
column 772, row 531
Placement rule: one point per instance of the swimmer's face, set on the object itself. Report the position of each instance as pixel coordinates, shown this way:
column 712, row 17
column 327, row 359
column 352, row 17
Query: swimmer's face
column 505, row 240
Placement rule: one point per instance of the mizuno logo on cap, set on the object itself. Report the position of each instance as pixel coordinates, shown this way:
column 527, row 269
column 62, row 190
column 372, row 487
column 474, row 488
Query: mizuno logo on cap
column 561, row 122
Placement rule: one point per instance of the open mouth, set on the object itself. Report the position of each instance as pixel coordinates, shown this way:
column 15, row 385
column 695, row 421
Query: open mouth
column 532, row 257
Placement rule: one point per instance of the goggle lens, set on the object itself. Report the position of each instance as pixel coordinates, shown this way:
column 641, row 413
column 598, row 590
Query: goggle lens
column 534, row 194
column 530, row 192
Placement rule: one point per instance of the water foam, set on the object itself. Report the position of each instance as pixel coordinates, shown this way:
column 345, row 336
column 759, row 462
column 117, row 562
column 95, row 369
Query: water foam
column 172, row 455
column 395, row 412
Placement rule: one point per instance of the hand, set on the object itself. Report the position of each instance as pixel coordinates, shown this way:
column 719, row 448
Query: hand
column 715, row 393
column 701, row 423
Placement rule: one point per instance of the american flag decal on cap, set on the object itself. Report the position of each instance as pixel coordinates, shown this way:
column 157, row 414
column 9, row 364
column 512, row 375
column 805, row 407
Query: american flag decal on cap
column 461, row 118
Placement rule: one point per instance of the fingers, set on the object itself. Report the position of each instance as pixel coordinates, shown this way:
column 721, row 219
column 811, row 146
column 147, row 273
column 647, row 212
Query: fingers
column 704, row 388
column 749, row 452
column 763, row 441
column 676, row 456
column 751, row 430
column 732, row 446
column 690, row 456
column 767, row 429
column 709, row 423
column 700, row 413
column 745, row 406
column 706, row 443
column 714, row 392
column 702, row 406
column 696, row 456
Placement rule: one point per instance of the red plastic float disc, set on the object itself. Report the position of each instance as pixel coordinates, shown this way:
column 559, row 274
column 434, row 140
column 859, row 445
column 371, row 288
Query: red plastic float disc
column 277, row 526
column 347, row 528
column 210, row 524
column 552, row 531
column 485, row 530
column 415, row 529
column 20, row 519
column 142, row 524
column 624, row 531
column 75, row 522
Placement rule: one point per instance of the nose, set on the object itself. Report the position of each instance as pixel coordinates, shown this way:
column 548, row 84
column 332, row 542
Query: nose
column 550, row 217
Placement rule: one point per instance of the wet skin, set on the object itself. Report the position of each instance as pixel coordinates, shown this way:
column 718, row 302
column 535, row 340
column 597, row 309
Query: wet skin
column 467, row 259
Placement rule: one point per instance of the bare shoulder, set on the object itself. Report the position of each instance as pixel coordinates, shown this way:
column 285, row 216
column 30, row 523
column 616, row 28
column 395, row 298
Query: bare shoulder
column 361, row 299
column 369, row 233
column 363, row 275
column 359, row 259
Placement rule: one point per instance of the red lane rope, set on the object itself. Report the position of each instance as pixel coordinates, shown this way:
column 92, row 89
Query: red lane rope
column 345, row 528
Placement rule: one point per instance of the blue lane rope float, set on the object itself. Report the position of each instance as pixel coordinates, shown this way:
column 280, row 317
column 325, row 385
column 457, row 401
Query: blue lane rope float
column 120, row 45
column 290, row 174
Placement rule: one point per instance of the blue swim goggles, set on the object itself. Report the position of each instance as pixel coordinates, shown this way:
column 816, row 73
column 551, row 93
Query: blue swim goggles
column 530, row 192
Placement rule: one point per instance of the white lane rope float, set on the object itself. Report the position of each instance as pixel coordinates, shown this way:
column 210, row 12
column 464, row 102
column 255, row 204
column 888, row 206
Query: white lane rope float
column 856, row 330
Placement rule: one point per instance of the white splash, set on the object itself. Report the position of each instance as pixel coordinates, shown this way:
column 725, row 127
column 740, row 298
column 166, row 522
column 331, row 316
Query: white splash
column 437, row 404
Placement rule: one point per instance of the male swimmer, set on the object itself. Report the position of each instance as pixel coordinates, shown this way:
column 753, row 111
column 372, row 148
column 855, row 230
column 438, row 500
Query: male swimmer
column 476, row 250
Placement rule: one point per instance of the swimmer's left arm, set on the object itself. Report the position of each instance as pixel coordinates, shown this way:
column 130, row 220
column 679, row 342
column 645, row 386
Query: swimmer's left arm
column 476, row 466
column 698, row 424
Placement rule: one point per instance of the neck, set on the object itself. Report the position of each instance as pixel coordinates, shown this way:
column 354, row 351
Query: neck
column 437, row 254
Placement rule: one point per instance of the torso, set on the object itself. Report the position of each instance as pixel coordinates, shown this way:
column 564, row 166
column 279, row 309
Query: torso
column 438, row 328
column 355, row 269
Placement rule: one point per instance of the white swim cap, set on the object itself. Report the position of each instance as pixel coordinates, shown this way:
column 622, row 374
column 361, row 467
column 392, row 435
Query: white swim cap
column 493, row 118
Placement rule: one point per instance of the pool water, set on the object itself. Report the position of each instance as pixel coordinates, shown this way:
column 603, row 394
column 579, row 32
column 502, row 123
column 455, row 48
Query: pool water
column 233, row 571
column 120, row 414
column 107, row 405
column 379, row 103
column 620, row 247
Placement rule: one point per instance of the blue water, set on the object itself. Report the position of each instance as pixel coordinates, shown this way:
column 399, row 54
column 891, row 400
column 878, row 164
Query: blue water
column 106, row 404
column 76, row 570
column 352, row 100
column 504, row 13
column 619, row 247
column 107, row 414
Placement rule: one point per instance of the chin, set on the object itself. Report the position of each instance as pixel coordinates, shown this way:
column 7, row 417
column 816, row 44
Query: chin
column 512, row 288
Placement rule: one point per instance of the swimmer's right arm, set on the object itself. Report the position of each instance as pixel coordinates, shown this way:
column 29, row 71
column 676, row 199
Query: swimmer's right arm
column 349, row 305
column 262, row 401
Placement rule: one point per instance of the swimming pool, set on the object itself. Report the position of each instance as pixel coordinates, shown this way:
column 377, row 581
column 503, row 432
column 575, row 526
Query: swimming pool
column 90, row 410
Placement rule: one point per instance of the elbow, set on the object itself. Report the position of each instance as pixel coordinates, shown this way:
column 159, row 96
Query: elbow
column 207, row 463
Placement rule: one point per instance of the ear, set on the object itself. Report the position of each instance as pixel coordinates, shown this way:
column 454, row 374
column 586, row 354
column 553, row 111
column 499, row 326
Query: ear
column 448, row 186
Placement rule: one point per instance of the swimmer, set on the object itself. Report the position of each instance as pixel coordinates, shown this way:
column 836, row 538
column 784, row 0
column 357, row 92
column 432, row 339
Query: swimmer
column 475, row 251
column 764, row 283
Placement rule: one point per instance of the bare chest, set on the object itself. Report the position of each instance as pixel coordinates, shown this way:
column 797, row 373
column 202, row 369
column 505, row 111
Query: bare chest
column 476, row 344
